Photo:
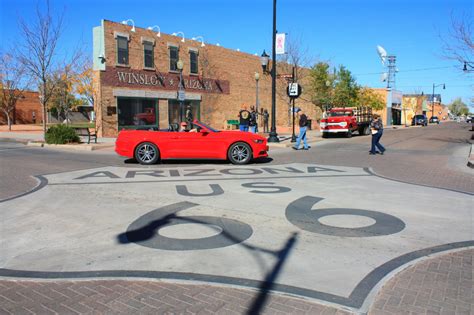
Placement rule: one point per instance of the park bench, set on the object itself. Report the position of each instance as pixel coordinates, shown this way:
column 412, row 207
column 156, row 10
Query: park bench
column 86, row 132
column 232, row 124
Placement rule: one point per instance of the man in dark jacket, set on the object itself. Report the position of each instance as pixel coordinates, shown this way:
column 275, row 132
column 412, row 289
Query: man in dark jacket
column 244, row 118
column 376, row 126
column 303, row 123
column 253, row 120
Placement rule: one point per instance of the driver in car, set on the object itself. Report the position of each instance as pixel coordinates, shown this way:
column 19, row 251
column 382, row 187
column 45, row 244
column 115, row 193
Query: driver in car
column 183, row 127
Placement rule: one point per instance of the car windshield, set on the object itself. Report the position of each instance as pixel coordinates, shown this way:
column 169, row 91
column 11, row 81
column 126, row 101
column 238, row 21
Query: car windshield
column 340, row 113
column 419, row 117
column 207, row 126
column 434, row 117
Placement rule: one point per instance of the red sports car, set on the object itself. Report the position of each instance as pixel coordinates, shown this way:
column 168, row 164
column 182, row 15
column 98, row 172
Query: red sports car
column 202, row 142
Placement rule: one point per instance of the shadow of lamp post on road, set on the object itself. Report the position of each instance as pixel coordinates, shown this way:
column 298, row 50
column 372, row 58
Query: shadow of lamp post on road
column 145, row 231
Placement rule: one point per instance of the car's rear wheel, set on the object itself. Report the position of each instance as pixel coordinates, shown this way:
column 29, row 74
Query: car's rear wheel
column 147, row 153
column 239, row 153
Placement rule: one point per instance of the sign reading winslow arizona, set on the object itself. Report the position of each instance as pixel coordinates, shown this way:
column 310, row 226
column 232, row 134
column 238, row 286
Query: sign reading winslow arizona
column 167, row 81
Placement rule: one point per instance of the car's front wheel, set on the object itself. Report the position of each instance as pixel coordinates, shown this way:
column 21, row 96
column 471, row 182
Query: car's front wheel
column 239, row 153
column 147, row 153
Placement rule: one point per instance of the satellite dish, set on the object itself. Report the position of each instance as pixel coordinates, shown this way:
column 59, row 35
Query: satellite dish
column 384, row 77
column 382, row 53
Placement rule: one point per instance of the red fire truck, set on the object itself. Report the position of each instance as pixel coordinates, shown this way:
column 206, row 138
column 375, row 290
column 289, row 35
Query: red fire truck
column 346, row 120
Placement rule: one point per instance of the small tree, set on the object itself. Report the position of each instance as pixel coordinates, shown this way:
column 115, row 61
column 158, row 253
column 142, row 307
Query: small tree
column 12, row 85
column 63, row 98
column 84, row 85
column 346, row 89
column 458, row 107
column 369, row 98
column 321, row 85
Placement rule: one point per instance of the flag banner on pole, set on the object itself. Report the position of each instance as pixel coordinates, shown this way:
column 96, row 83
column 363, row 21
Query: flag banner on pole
column 280, row 44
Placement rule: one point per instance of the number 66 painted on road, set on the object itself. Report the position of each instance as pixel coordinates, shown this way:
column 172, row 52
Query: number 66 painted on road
column 145, row 230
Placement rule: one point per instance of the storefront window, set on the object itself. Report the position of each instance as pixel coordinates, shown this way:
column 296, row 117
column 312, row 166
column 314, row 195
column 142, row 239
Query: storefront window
column 177, row 113
column 148, row 55
column 135, row 112
column 122, row 50
column 174, row 56
column 193, row 55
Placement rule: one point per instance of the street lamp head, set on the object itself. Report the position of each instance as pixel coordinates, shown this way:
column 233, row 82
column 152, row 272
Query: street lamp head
column 199, row 38
column 177, row 33
column 131, row 21
column 153, row 27
column 465, row 66
column 444, row 86
column 264, row 58
column 257, row 76
column 179, row 65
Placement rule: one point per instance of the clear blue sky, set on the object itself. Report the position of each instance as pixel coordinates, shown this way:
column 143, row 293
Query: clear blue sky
column 344, row 32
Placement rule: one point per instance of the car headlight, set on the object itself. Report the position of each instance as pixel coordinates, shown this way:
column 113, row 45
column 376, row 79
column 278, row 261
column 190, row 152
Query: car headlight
column 343, row 124
column 258, row 140
column 323, row 125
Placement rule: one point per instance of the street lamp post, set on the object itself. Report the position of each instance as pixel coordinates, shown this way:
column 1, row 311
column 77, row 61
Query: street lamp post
column 293, row 135
column 181, row 95
column 257, row 77
column 273, row 134
column 432, row 98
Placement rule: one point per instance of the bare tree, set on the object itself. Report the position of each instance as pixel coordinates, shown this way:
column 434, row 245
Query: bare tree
column 296, row 59
column 460, row 42
column 12, row 85
column 38, row 52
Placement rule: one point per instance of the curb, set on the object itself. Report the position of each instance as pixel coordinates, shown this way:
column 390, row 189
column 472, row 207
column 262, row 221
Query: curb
column 76, row 147
column 470, row 158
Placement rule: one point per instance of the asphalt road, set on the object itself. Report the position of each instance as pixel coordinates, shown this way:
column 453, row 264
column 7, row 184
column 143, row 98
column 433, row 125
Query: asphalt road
column 328, row 224
column 434, row 156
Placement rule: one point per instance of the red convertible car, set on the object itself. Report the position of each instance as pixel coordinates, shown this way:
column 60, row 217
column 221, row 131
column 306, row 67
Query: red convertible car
column 148, row 146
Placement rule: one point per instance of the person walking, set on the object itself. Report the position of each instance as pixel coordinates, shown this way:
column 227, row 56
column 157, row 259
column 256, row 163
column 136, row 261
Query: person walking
column 376, row 127
column 265, row 120
column 303, row 123
column 253, row 120
column 244, row 118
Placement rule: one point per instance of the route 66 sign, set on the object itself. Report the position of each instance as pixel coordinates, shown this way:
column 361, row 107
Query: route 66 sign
column 294, row 90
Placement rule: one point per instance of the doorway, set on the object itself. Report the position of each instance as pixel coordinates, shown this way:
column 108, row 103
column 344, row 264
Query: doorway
column 176, row 114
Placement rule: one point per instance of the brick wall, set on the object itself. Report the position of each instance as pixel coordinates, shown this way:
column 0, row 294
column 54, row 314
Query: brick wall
column 27, row 110
column 219, row 63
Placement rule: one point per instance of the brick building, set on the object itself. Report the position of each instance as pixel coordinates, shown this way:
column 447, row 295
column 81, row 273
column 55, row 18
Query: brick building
column 427, row 104
column 27, row 110
column 136, row 79
column 393, row 115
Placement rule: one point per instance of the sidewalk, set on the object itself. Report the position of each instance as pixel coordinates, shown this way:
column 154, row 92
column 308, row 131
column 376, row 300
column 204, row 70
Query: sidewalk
column 35, row 138
column 436, row 285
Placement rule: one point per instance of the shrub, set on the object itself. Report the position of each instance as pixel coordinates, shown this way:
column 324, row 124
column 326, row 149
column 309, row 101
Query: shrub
column 61, row 134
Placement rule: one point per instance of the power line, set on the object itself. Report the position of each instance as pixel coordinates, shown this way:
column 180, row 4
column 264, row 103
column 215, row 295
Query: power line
column 410, row 70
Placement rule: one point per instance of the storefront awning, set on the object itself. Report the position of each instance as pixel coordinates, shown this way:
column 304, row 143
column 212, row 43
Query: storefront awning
column 154, row 94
